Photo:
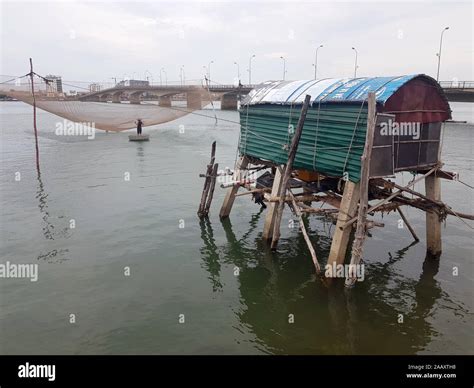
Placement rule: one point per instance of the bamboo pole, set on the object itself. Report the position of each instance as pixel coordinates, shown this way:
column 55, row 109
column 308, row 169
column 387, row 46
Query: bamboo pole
column 305, row 234
column 361, row 230
column 266, row 190
column 405, row 220
column 287, row 173
column 34, row 115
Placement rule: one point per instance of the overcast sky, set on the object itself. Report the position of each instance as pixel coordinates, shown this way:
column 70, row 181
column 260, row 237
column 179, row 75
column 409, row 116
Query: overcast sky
column 95, row 41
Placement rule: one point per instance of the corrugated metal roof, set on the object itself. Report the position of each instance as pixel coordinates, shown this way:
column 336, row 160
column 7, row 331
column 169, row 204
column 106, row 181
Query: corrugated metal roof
column 333, row 136
column 332, row 141
column 328, row 90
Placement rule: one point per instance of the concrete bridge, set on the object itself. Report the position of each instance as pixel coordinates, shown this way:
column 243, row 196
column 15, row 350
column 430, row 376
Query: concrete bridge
column 192, row 94
column 458, row 91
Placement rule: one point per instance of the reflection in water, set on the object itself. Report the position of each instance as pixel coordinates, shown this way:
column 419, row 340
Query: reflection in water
column 49, row 232
column 334, row 320
column 210, row 251
column 140, row 153
column 41, row 195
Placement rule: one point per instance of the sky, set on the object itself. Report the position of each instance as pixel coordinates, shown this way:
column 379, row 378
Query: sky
column 99, row 41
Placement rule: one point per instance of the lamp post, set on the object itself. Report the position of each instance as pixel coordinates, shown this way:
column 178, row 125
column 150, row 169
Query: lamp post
column 238, row 70
column 146, row 77
column 284, row 66
column 182, row 75
column 209, row 70
column 166, row 77
column 439, row 53
column 355, row 66
column 250, row 69
column 316, row 61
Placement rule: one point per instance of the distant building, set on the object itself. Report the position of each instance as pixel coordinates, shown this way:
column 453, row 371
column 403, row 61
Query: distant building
column 55, row 84
column 94, row 88
column 133, row 82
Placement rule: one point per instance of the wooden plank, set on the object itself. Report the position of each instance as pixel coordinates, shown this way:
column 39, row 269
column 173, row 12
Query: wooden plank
column 272, row 206
column 361, row 230
column 288, row 169
column 211, row 189
column 207, row 181
column 226, row 208
column 340, row 239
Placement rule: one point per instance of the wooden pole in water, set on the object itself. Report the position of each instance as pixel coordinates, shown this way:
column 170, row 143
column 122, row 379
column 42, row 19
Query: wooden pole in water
column 226, row 208
column 207, row 182
column 433, row 222
column 405, row 220
column 305, row 234
column 272, row 207
column 288, row 170
column 34, row 115
column 361, row 230
column 340, row 238
column 210, row 194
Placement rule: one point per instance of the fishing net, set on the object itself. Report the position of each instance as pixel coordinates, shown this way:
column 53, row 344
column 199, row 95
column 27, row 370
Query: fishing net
column 106, row 115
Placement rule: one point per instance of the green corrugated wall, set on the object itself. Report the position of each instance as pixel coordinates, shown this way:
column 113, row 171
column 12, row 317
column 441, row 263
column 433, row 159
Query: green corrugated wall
column 329, row 127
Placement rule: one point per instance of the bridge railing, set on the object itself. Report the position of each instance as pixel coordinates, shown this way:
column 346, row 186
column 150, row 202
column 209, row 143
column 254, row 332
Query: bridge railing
column 457, row 84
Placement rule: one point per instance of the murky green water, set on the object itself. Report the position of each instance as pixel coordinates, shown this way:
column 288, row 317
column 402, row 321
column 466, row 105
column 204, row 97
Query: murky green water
column 191, row 270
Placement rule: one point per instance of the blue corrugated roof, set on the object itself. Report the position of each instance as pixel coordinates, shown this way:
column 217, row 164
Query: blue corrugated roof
column 329, row 89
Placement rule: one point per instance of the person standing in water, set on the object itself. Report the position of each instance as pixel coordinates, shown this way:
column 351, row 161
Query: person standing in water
column 139, row 126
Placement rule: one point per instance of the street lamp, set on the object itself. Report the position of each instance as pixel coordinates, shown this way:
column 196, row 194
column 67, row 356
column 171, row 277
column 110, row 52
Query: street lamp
column 166, row 77
column 209, row 70
column 316, row 61
column 146, row 77
column 355, row 66
column 182, row 75
column 250, row 69
column 284, row 66
column 439, row 53
column 238, row 70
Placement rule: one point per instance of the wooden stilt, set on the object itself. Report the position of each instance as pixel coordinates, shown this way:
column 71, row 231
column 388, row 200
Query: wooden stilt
column 340, row 239
column 308, row 192
column 226, row 208
column 287, row 172
column 405, row 221
column 433, row 223
column 212, row 186
column 207, row 183
column 361, row 230
column 392, row 196
column 272, row 207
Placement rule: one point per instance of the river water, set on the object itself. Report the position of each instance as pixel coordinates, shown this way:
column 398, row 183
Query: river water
column 207, row 287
